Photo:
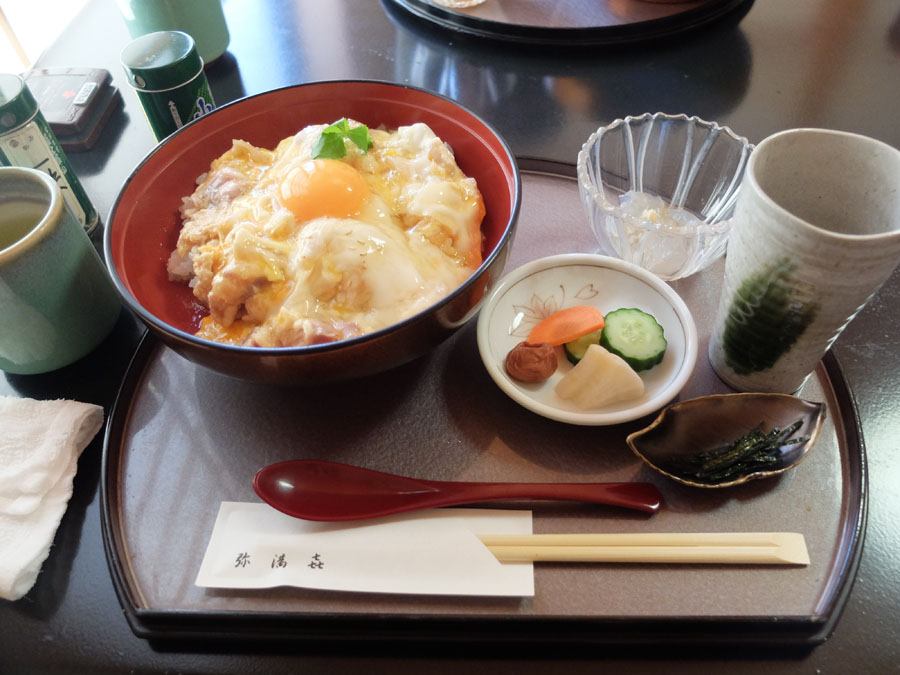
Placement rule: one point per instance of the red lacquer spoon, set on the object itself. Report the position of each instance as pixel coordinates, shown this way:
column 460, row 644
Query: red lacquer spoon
column 320, row 490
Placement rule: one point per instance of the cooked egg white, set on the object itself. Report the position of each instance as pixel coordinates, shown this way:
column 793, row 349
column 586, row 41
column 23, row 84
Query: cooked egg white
column 288, row 250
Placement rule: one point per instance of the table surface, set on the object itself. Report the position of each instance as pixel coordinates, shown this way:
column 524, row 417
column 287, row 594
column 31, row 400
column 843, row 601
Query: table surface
column 816, row 63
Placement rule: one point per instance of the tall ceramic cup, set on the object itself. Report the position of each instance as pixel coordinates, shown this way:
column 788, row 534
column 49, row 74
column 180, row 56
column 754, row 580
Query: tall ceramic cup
column 816, row 232
column 57, row 302
column 203, row 20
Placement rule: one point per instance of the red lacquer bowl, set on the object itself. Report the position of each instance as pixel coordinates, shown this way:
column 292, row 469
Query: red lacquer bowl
column 143, row 225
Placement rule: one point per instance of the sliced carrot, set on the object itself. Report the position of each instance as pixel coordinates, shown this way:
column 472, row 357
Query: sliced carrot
column 567, row 325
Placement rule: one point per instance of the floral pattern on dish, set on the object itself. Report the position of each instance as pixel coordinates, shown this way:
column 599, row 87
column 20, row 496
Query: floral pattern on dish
column 526, row 317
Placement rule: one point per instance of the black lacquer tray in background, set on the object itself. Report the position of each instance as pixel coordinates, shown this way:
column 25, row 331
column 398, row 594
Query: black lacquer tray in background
column 573, row 23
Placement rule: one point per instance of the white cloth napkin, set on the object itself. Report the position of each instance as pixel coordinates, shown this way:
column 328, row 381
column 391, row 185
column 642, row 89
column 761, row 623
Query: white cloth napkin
column 40, row 442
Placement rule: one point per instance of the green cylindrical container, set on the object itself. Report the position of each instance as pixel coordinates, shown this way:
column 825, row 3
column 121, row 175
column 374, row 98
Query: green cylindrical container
column 26, row 139
column 167, row 73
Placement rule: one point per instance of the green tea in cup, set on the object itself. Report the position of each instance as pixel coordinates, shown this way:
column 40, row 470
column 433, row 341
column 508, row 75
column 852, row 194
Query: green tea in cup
column 56, row 298
column 19, row 219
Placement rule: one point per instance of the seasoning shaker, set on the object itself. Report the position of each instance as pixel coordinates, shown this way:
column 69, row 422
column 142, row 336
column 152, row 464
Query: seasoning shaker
column 27, row 140
column 166, row 72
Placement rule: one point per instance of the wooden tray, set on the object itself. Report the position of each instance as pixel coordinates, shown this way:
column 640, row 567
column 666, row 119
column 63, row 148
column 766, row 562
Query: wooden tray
column 574, row 22
column 181, row 439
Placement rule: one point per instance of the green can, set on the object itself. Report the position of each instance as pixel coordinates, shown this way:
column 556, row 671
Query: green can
column 26, row 139
column 166, row 71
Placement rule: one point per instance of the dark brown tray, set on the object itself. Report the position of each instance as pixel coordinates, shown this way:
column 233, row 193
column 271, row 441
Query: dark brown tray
column 574, row 22
column 181, row 439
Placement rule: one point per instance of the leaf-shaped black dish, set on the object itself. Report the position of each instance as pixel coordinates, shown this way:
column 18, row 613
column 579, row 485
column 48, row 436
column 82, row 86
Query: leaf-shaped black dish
column 708, row 424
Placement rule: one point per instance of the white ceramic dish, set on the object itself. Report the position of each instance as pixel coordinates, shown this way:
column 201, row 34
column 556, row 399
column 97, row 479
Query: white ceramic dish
column 535, row 290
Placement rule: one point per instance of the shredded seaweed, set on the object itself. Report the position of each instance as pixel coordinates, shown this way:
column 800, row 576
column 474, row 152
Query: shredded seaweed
column 755, row 451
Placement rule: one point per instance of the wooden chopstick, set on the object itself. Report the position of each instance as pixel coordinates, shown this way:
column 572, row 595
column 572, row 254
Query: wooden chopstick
column 757, row 548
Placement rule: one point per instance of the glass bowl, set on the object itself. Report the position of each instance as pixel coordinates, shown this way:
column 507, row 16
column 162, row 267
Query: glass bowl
column 659, row 190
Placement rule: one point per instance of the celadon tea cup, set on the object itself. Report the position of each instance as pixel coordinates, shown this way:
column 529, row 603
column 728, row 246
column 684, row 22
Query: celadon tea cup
column 816, row 232
column 203, row 20
column 56, row 299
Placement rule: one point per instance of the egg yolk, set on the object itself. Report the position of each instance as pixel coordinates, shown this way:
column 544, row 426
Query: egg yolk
column 323, row 187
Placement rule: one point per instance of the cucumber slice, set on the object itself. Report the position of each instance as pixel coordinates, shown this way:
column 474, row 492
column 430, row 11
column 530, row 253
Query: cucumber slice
column 635, row 336
column 576, row 348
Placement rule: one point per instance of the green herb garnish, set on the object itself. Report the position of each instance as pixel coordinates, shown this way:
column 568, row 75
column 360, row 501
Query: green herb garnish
column 754, row 451
column 330, row 145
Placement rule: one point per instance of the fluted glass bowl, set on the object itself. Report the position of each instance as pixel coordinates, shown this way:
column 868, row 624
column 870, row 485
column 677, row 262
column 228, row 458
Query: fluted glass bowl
column 659, row 190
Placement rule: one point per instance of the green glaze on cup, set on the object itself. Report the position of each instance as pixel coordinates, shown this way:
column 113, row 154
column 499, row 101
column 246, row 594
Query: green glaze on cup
column 56, row 298
column 767, row 314
column 203, row 20
column 816, row 232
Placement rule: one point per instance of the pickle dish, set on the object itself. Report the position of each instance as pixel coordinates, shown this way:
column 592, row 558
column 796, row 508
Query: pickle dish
column 723, row 440
column 537, row 289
